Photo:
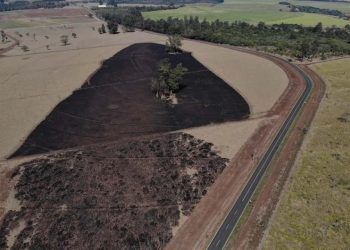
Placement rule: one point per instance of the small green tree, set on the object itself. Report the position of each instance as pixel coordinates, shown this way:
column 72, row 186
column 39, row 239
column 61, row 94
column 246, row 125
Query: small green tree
column 64, row 40
column 174, row 43
column 74, row 35
column 169, row 79
column 112, row 27
column 103, row 28
column 25, row 48
column 318, row 28
column 3, row 36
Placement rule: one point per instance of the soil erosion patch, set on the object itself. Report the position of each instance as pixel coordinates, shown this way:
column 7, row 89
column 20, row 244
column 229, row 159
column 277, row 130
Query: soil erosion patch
column 116, row 102
column 121, row 195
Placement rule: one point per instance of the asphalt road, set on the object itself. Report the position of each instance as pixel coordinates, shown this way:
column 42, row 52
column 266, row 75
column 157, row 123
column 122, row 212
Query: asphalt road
column 222, row 235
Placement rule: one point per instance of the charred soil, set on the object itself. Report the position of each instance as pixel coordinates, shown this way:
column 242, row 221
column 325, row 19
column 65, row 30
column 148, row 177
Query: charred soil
column 121, row 195
column 116, row 102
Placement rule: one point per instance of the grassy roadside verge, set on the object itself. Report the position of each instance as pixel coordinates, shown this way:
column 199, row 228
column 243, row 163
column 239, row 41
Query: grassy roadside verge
column 314, row 211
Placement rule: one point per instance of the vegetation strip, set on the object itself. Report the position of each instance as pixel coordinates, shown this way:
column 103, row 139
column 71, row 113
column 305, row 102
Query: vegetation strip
column 286, row 39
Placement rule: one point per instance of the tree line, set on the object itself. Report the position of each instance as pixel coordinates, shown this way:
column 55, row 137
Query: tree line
column 21, row 5
column 285, row 39
column 315, row 10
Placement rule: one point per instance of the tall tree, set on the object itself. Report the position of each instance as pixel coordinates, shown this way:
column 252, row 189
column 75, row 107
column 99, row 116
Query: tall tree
column 64, row 40
column 174, row 43
column 169, row 79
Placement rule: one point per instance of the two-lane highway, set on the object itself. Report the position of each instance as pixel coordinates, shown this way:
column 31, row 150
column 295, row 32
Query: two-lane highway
column 222, row 235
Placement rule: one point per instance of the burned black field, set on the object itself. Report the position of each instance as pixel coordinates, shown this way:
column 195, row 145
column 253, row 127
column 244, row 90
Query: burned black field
column 116, row 102
column 119, row 180
column 121, row 195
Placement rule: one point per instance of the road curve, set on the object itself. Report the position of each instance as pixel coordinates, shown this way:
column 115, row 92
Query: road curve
column 225, row 230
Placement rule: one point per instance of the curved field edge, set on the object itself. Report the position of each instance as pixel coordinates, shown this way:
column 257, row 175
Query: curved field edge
column 313, row 212
column 117, row 102
column 29, row 96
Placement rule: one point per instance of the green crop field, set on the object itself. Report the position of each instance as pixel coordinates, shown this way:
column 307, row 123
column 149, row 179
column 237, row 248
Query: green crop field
column 251, row 11
column 314, row 210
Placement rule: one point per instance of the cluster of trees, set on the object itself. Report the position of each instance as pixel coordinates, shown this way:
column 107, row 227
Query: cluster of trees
column 102, row 29
column 168, row 80
column 287, row 39
column 311, row 9
column 127, row 17
column 21, row 5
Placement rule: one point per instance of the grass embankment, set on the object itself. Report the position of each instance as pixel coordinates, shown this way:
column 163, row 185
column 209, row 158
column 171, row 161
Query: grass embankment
column 314, row 210
column 253, row 11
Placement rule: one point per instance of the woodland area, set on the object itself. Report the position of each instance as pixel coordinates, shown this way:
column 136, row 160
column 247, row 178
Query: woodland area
column 21, row 5
column 286, row 39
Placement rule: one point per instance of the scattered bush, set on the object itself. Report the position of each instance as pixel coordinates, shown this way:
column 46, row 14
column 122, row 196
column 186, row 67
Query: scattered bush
column 64, row 40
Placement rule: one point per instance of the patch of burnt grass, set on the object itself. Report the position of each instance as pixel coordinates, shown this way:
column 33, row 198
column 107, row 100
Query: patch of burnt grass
column 117, row 102
column 122, row 195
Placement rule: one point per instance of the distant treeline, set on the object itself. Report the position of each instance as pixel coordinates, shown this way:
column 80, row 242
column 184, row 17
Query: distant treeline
column 22, row 5
column 311, row 9
column 287, row 39
column 166, row 2
column 331, row 1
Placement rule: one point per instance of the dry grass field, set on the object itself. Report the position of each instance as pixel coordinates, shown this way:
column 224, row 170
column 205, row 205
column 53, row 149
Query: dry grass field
column 39, row 17
column 314, row 210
